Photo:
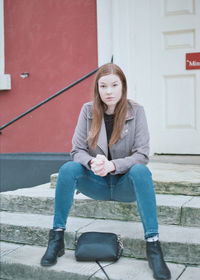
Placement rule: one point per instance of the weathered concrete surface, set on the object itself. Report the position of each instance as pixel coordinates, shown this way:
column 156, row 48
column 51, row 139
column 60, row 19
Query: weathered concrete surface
column 136, row 269
column 166, row 172
column 176, row 178
column 40, row 200
column 170, row 178
column 168, row 209
column 178, row 159
column 24, row 263
column 34, row 228
column 191, row 273
column 7, row 248
column 191, row 212
column 180, row 244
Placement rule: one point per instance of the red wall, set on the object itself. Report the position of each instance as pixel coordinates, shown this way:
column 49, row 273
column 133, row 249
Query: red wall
column 56, row 42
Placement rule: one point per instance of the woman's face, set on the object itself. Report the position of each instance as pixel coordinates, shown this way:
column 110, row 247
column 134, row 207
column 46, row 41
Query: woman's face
column 110, row 90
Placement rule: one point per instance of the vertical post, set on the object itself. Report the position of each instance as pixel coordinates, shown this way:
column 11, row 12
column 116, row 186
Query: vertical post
column 104, row 31
column 5, row 80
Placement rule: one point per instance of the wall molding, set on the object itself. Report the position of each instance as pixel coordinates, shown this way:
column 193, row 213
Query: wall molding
column 114, row 35
column 104, row 31
column 5, row 79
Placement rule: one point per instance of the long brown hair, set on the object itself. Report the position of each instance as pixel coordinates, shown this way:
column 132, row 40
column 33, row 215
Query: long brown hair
column 99, row 107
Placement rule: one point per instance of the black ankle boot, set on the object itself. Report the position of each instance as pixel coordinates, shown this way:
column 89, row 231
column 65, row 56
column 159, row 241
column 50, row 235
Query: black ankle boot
column 156, row 261
column 56, row 248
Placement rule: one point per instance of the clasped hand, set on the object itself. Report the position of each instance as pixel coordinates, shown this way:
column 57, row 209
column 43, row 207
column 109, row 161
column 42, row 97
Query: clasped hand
column 101, row 166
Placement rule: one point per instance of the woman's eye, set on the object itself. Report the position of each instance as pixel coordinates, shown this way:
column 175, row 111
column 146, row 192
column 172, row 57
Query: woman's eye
column 115, row 85
column 102, row 86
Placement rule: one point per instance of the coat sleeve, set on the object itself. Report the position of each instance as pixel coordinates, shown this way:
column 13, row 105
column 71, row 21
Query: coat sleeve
column 140, row 149
column 79, row 152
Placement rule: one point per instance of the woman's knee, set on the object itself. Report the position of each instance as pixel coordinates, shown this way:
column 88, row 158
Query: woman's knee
column 142, row 178
column 70, row 167
column 140, row 170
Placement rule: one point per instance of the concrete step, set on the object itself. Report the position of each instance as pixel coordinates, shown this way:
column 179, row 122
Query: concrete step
column 180, row 244
column 23, row 262
column 172, row 209
column 170, row 178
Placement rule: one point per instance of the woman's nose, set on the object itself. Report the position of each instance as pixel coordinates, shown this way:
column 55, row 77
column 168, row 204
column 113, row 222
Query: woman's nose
column 109, row 90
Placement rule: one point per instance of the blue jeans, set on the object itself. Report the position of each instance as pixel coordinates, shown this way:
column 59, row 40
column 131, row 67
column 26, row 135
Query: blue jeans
column 135, row 185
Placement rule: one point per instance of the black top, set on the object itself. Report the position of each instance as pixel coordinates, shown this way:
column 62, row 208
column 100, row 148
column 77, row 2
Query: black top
column 109, row 122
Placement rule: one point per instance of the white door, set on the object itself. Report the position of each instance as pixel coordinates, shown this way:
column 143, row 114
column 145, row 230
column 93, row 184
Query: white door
column 149, row 40
column 175, row 92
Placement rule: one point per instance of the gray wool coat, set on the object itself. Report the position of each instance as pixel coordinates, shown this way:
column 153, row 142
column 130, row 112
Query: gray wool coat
column 132, row 147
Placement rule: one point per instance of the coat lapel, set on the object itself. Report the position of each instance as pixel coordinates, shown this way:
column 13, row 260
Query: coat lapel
column 102, row 140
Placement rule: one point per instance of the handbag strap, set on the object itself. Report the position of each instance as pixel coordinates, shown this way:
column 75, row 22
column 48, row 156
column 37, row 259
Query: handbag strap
column 120, row 251
column 103, row 269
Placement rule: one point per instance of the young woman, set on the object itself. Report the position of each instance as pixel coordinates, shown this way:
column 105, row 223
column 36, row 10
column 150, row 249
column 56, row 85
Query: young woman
column 110, row 149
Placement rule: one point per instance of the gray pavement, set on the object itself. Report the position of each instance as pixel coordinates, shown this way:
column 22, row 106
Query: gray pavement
column 25, row 261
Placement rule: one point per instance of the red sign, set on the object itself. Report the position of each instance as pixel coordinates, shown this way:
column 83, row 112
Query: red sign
column 192, row 61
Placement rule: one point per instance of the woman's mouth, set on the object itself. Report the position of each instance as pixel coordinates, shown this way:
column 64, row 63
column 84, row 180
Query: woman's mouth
column 109, row 98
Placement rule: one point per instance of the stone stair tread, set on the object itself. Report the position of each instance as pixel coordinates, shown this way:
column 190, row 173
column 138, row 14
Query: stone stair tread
column 132, row 230
column 44, row 191
column 180, row 244
column 191, row 273
column 24, row 262
column 170, row 178
column 40, row 221
column 193, row 203
column 171, row 172
column 172, row 209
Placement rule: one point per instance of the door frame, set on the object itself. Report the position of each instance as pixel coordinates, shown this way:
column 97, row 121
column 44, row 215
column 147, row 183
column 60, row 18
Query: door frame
column 113, row 34
column 5, row 79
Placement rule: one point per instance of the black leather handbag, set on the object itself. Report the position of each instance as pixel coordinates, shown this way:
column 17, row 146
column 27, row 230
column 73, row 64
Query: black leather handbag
column 98, row 246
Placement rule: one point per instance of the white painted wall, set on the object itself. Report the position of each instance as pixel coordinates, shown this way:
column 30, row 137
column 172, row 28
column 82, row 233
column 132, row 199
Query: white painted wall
column 104, row 31
column 113, row 34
